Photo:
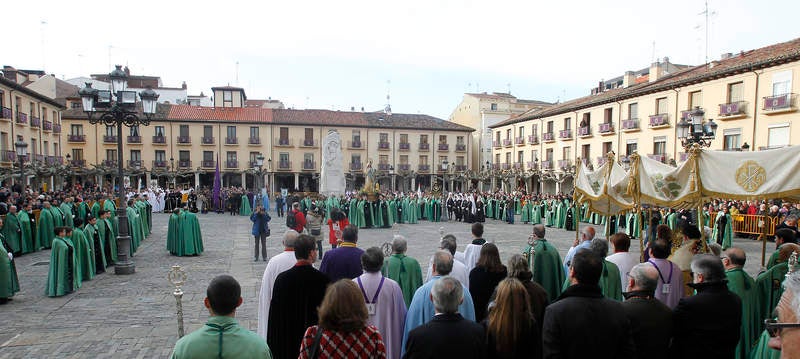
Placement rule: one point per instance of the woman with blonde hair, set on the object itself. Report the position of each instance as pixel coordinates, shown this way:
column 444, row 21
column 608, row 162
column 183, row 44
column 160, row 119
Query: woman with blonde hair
column 342, row 331
column 518, row 268
column 511, row 329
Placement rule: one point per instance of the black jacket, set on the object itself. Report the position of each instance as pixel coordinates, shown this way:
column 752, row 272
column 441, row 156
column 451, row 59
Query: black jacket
column 707, row 325
column 447, row 336
column 582, row 323
column 651, row 325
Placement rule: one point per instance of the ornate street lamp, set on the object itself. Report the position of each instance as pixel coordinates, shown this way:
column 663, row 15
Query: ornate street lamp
column 445, row 165
column 260, row 165
column 118, row 107
column 22, row 150
column 696, row 131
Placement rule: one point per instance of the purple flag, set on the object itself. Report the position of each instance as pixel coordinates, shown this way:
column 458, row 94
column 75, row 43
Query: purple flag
column 215, row 191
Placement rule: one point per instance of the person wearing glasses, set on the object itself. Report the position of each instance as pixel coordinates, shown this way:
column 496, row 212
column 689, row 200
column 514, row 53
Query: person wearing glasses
column 784, row 332
column 707, row 325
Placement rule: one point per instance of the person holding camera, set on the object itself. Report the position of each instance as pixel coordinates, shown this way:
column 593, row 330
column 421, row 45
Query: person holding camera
column 314, row 226
column 260, row 219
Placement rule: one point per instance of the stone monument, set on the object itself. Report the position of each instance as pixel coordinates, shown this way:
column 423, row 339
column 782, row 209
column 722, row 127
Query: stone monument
column 332, row 180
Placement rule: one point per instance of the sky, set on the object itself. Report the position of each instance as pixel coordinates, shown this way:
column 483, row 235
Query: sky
column 423, row 53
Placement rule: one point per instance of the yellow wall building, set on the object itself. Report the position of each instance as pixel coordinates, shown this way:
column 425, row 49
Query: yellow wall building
column 751, row 96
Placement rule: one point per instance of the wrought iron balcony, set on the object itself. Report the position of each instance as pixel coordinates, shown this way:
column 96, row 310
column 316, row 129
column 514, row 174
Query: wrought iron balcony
column 38, row 158
column 208, row 163
column 159, row 164
column 461, row 168
column 460, row 147
column 548, row 137
column 231, row 140
column 231, row 164
column 283, row 142
column 109, row 139
column 8, row 156
column 309, row 165
column 519, row 140
column 517, row 165
column 779, row 103
column 22, row 118
column 76, row 138
column 254, row 140
column 159, row 140
column 424, row 168
column 532, row 164
column 733, row 109
column 533, row 140
column 444, row 147
column 565, row 134
column 184, row 164
column 355, row 166
column 384, row 166
column 546, row 165
column 184, row 139
column 383, row 145
column 56, row 128
column 354, row 144
column 110, row 163
column 134, row 139
column 403, row 146
column 660, row 157
column 284, row 165
column 659, row 120
column 47, row 125
column 424, row 146
column 53, row 160
column 207, row 140
column 36, row 122
column 606, row 128
column 584, row 131
column 6, row 113
column 601, row 160
column 135, row 163
column 403, row 167
column 507, row 142
column 309, row 142
column 77, row 163
column 496, row 144
column 564, row 163
column 630, row 124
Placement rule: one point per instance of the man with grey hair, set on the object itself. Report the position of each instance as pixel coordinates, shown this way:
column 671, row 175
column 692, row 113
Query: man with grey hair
column 403, row 269
column 784, row 332
column 714, row 312
column 421, row 309
column 276, row 265
column 459, row 271
column 651, row 320
column 448, row 334
column 587, row 234
column 743, row 285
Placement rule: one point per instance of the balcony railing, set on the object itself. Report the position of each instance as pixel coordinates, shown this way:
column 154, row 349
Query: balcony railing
column 424, row 146
column 564, row 163
column 355, row 166
column 519, row 140
column 36, row 122
column 309, row 165
column 47, row 125
column 496, row 144
column 517, row 165
column 110, row 163
column 506, row 166
column 383, row 145
column 403, row 167
column 159, row 140
column 6, row 113
column 383, row 166
column 658, row 157
column 532, row 164
column 686, row 115
column 159, row 164
column 231, row 140
column 659, row 120
column 135, row 163
column 309, row 142
column 607, row 127
column 254, row 140
column 547, row 165
column 184, row 164
column 76, row 138
column 53, row 160
column 630, row 124
column 683, row 156
column 8, row 156
column 779, row 103
column 403, row 146
column 38, row 158
column 548, row 137
column 109, row 139
column 134, row 139
column 231, row 164
column 424, row 168
column 460, row 168
column 284, row 165
column 443, row 147
column 77, row 163
column 56, row 128
column 354, row 144
column 732, row 109
column 533, row 140
column 208, row 163
column 460, row 147
column 207, row 140
column 601, row 160
column 184, row 139
column 565, row 134
column 507, row 142
column 283, row 142
column 22, row 118
column 584, row 131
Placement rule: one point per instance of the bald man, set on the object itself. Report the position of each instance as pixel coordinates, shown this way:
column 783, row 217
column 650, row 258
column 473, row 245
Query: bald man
column 743, row 285
column 651, row 320
column 587, row 234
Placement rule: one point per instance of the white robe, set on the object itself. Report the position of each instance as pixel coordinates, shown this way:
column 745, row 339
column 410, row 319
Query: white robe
column 459, row 271
column 276, row 265
column 471, row 254
column 390, row 311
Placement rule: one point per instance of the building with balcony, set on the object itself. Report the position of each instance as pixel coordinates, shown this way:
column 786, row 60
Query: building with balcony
column 194, row 140
column 751, row 96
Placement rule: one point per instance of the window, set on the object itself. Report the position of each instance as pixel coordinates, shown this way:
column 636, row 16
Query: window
column 77, row 154
column 161, row 156
column 781, row 83
column 254, row 132
column 33, row 109
column 111, row 155
column 231, row 131
column 44, row 113
column 136, row 156
column 549, row 126
column 34, row 149
column 508, row 134
column 566, row 153
column 309, row 134
column 134, row 130
column 230, row 156
column 460, row 161
column 608, row 114
column 630, row 147
column 497, row 136
column 778, row 135
column 111, row 130
column 587, row 120
column 284, row 133
column 661, row 105
column 76, row 105
column 660, row 145
column 735, row 92
column 208, row 131
column 424, row 138
column 183, row 156
column 76, row 130
column 549, row 155
column 520, row 157
column 184, row 130
column 586, row 152
column 308, row 159
column 284, row 157
column 459, row 140
column 695, row 99
column 55, row 150
column 208, row 155
column 443, row 139
column 567, row 123
column 508, row 157
column 403, row 159
column 633, row 111
column 252, row 158
column 521, row 132
column 46, row 147
column 403, row 138
column 383, row 159
column 356, row 136
column 384, row 137
column 732, row 138
column 159, row 131
column 423, row 159
column 227, row 96
column 607, row 147
column 493, row 107
column 497, row 158
column 534, row 129
column 355, row 158
column 534, row 155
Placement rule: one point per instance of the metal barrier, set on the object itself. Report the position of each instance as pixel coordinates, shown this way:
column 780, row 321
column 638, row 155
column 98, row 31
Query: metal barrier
column 754, row 224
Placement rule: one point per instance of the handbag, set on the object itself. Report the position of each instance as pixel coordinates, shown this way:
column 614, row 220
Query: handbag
column 316, row 232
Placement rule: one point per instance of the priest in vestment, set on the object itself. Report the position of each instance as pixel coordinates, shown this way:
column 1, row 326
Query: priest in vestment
column 296, row 295
column 385, row 303
column 276, row 265
column 768, row 284
column 545, row 264
column 12, row 232
column 61, row 278
column 473, row 250
column 403, row 269
column 9, row 283
column 740, row 283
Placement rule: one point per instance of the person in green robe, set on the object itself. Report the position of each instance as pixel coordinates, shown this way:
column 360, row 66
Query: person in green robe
column 173, row 232
column 134, row 227
column 517, row 205
column 222, row 336
column 110, row 206
column 610, row 280
column 84, row 265
column 244, row 207
column 190, row 238
column 66, row 212
column 723, row 229
column 549, row 215
column 28, row 241
column 141, row 209
column 81, row 209
column 361, row 213
column 46, row 226
column 392, row 208
column 782, row 235
column 96, row 207
column 9, row 283
column 61, row 278
column 413, row 211
column 403, row 269
column 672, row 219
column 761, row 349
column 352, row 212
column 545, row 263
column 106, row 230
column 525, row 212
column 98, row 251
column 490, row 207
column 744, row 286
column 12, row 231
column 768, row 284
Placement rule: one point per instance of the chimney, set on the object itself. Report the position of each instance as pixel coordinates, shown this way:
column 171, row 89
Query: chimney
column 656, row 70
column 183, row 85
column 628, row 79
column 600, row 86
column 362, row 108
column 726, row 56
column 352, row 108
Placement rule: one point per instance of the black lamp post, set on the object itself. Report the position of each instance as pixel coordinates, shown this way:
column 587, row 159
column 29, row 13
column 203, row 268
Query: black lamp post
column 260, row 173
column 121, row 110
column 445, row 165
column 696, row 131
column 22, row 150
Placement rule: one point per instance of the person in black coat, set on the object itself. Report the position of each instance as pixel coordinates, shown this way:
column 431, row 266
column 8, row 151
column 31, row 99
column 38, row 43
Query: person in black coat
column 581, row 323
column 707, row 325
column 651, row 320
column 448, row 334
column 483, row 279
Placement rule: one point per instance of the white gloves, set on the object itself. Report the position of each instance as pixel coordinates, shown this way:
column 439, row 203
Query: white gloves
column 10, row 256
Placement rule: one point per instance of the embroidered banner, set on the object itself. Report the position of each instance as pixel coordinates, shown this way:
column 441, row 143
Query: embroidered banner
column 744, row 175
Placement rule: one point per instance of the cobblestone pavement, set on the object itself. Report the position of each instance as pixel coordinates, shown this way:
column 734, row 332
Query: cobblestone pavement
column 134, row 316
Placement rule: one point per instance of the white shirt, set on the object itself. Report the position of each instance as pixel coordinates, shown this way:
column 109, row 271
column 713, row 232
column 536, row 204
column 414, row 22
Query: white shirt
column 459, row 271
column 471, row 254
column 276, row 265
column 624, row 261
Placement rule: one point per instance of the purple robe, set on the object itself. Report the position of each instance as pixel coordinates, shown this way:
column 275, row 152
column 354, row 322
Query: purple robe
column 342, row 262
column 390, row 310
column 675, row 293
